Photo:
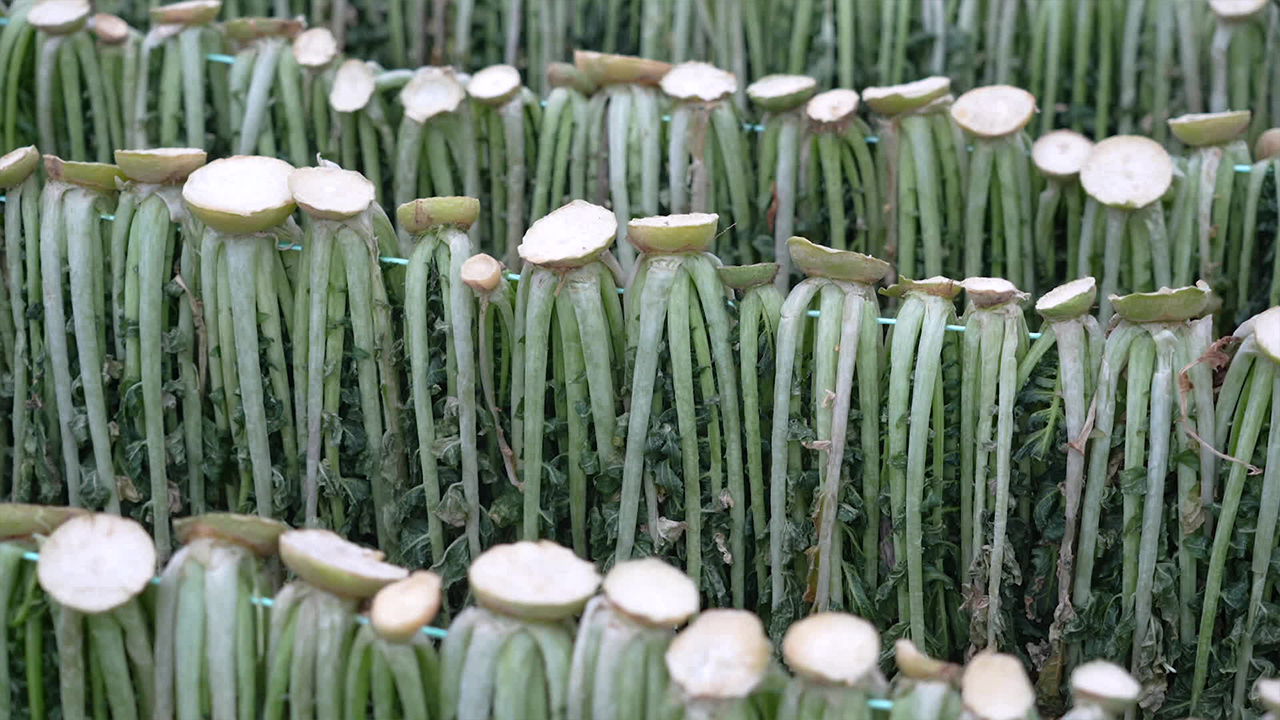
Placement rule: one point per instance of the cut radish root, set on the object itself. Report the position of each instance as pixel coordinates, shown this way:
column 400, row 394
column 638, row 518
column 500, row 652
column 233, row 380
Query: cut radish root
column 532, row 580
column 1268, row 692
column 832, row 106
column 610, row 69
column 986, row 292
column 109, row 29
column 191, row 12
column 699, row 81
column 1268, row 145
column 330, row 193
column 994, row 111
column 315, row 48
column 430, row 92
column 745, row 277
column 95, row 563
column 995, row 687
column 481, row 273
column 1068, row 300
column 834, row 648
column 898, row 99
column 1061, row 153
column 652, row 592
column 494, row 85
column 162, row 165
column 690, row 232
column 91, row 175
column 570, row 236
column 19, row 520
column 402, row 608
column 326, row 560
column 423, row 214
column 779, row 93
column 1127, row 171
column 240, row 195
column 59, row 17
column 722, row 655
column 353, row 86
column 820, row 261
column 1266, row 332
column 1164, row 305
column 17, row 165
column 1201, row 129
column 916, row 665
column 1236, row 10
column 258, row 534
column 1106, row 685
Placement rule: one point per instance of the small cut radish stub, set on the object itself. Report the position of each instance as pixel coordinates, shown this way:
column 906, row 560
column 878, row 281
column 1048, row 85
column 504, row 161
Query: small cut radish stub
column 430, row 92
column 1266, row 332
column 423, row 214
column 330, row 193
column 1236, row 10
column 90, row 175
column 652, row 592
column 17, row 165
column 315, row 48
column 1060, row 154
column 1106, row 685
column 95, row 563
column 109, row 29
column 1166, row 305
column 779, row 93
column 898, row 99
column 985, row 292
column 722, row 655
column 160, row 165
column 327, row 561
column 832, row 107
column 995, row 687
column 353, row 86
column 59, row 17
column 1268, row 145
column 835, row 648
column 494, row 85
column 1068, row 300
column 699, row 81
column 689, row 232
column 240, row 195
column 258, row 534
column 482, row 273
column 1127, row 171
column 744, row 277
column 532, row 580
column 994, row 111
column 402, row 608
column 570, row 236
column 821, row 261
column 1201, row 129
column 1268, row 692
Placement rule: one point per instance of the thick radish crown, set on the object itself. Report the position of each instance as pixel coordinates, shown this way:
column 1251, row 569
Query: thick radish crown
column 400, row 610
column 353, row 86
column 699, row 81
column 59, row 17
column 257, row 534
column 569, row 236
column 820, row 261
column 994, row 111
column 689, row 232
column 160, row 165
column 779, row 93
column 482, row 273
column 722, row 655
column 240, row 195
column 897, row 99
column 833, row 108
column 1127, row 172
column 745, row 277
column 330, row 193
column 652, row 592
column 190, row 12
column 1068, row 300
column 1166, row 305
column 1202, row 129
column 17, row 165
column 1105, row 685
column 20, row 520
column 315, row 48
column 532, row 580
column 1060, row 154
column 423, row 214
column 494, row 85
column 95, row 563
column 324, row 559
column 430, row 92
column 995, row 687
column 988, row 292
column 835, row 648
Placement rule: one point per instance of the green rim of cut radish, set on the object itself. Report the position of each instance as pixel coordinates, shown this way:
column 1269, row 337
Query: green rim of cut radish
column 779, row 93
column 240, row 195
column 532, row 580
column 59, row 17
column 820, row 261
column 723, row 654
column 244, row 30
column 315, row 48
column 1106, row 685
column 95, row 563
column 430, row 92
column 190, row 12
column 1127, row 171
column 745, row 277
column 91, row 175
column 987, row 292
column 423, row 214
column 400, row 610
column 109, row 29
column 1164, row 305
column 161, row 165
column 494, row 85
column 258, row 534
column 916, row 665
column 688, row 232
column 995, row 687
column 482, row 273
column 897, row 99
column 835, row 648
column 17, row 165
column 936, row 285
column 18, row 520
column 1268, row 145
column 612, row 69
column 651, row 592
column 699, row 81
column 569, row 236
column 833, row 107
column 324, row 559
column 1068, row 300
column 994, row 111
column 1268, row 692
column 1201, row 129
column 1061, row 153
column 1236, row 10
column 331, row 193
column 353, row 86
